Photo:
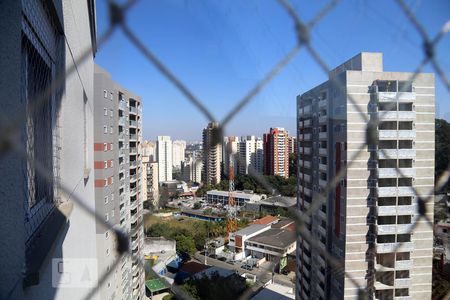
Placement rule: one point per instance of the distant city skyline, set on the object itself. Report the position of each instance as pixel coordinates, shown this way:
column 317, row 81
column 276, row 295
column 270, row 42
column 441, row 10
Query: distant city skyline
column 227, row 47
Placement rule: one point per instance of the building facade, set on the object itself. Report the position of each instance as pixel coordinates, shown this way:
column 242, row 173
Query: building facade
column 372, row 209
column 212, row 153
column 37, row 40
column 152, row 183
column 192, row 169
column 178, row 153
column 230, row 151
column 164, row 158
column 250, row 155
column 118, row 182
column 276, row 152
column 149, row 150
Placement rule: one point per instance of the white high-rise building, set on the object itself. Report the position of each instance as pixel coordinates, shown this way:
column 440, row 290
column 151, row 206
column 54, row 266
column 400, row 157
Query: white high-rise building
column 250, row 154
column 230, row 147
column 192, row 169
column 366, row 221
column 178, row 153
column 149, row 150
column 164, row 158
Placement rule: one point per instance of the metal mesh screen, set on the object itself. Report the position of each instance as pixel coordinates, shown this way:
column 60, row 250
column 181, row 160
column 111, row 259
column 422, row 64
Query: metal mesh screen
column 40, row 151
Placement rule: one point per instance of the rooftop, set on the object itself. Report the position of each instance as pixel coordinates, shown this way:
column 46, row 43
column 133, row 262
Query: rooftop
column 193, row 267
column 155, row 285
column 265, row 220
column 284, row 223
column 279, row 238
column 251, row 229
column 281, row 201
column 275, row 291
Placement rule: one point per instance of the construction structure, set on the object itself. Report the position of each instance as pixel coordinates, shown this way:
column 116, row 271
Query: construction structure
column 231, row 221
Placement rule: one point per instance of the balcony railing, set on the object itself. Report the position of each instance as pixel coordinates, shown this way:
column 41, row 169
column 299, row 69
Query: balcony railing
column 394, row 172
column 396, row 134
column 393, row 96
column 323, row 151
column 322, row 183
column 133, row 110
column 304, row 137
column 323, row 167
column 396, row 115
column 390, row 247
column 394, row 153
column 122, row 121
column 393, row 228
column 395, row 191
column 305, row 110
column 133, row 123
column 323, row 135
column 322, row 103
column 402, row 282
column 133, row 137
column 396, row 210
column 305, row 150
column 122, row 105
column 306, row 123
column 305, row 163
column 323, row 119
column 403, row 264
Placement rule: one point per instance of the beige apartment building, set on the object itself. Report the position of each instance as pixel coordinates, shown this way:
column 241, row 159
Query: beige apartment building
column 212, row 153
column 366, row 221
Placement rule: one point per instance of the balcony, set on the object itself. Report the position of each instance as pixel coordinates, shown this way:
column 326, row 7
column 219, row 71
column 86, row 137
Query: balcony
column 323, row 119
column 305, row 163
column 305, row 177
column 322, row 230
column 402, row 282
column 396, row 134
column 390, row 247
column 122, row 121
column 323, row 135
column 322, row 183
column 394, row 96
column 307, row 192
column 403, row 298
column 304, row 136
column 393, row 172
column 396, row 210
column 393, row 228
column 305, row 271
column 323, row 167
column 305, row 150
column 133, row 178
column 306, row 123
column 133, row 110
column 396, row 153
column 323, row 151
column 133, row 150
column 322, row 215
column 322, row 103
column 403, row 264
column 133, row 137
column 321, row 261
column 133, row 191
column 395, row 191
column 305, row 110
column 133, row 123
column 396, row 115
column 122, row 105
column 133, row 164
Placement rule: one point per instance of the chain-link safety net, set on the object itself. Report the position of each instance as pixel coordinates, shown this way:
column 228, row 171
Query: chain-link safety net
column 41, row 158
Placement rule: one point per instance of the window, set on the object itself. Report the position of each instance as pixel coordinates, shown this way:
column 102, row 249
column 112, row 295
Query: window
column 112, row 180
column 106, row 217
column 105, row 129
column 105, row 93
column 105, row 111
column 112, row 162
column 112, row 213
column 110, row 129
column 111, row 113
column 111, row 95
column 106, row 199
column 105, row 147
column 112, row 197
column 107, row 234
column 106, row 164
column 111, row 146
column 106, row 182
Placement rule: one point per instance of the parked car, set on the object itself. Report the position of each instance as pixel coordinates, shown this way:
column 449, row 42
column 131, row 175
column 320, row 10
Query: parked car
column 213, row 256
column 222, row 258
column 247, row 267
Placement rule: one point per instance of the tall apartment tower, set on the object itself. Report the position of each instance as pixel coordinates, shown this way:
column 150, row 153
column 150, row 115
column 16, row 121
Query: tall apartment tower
column 250, row 154
column 230, row 147
column 118, row 184
column 164, row 158
column 371, row 210
column 212, row 153
column 41, row 225
column 276, row 152
column 178, row 153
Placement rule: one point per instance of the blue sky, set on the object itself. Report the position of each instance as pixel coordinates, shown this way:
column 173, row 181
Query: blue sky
column 221, row 48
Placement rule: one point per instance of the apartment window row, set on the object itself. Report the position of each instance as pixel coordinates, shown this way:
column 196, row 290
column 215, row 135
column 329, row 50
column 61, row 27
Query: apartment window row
column 108, row 147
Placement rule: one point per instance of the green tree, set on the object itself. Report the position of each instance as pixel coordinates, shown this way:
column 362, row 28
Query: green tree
column 197, row 205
